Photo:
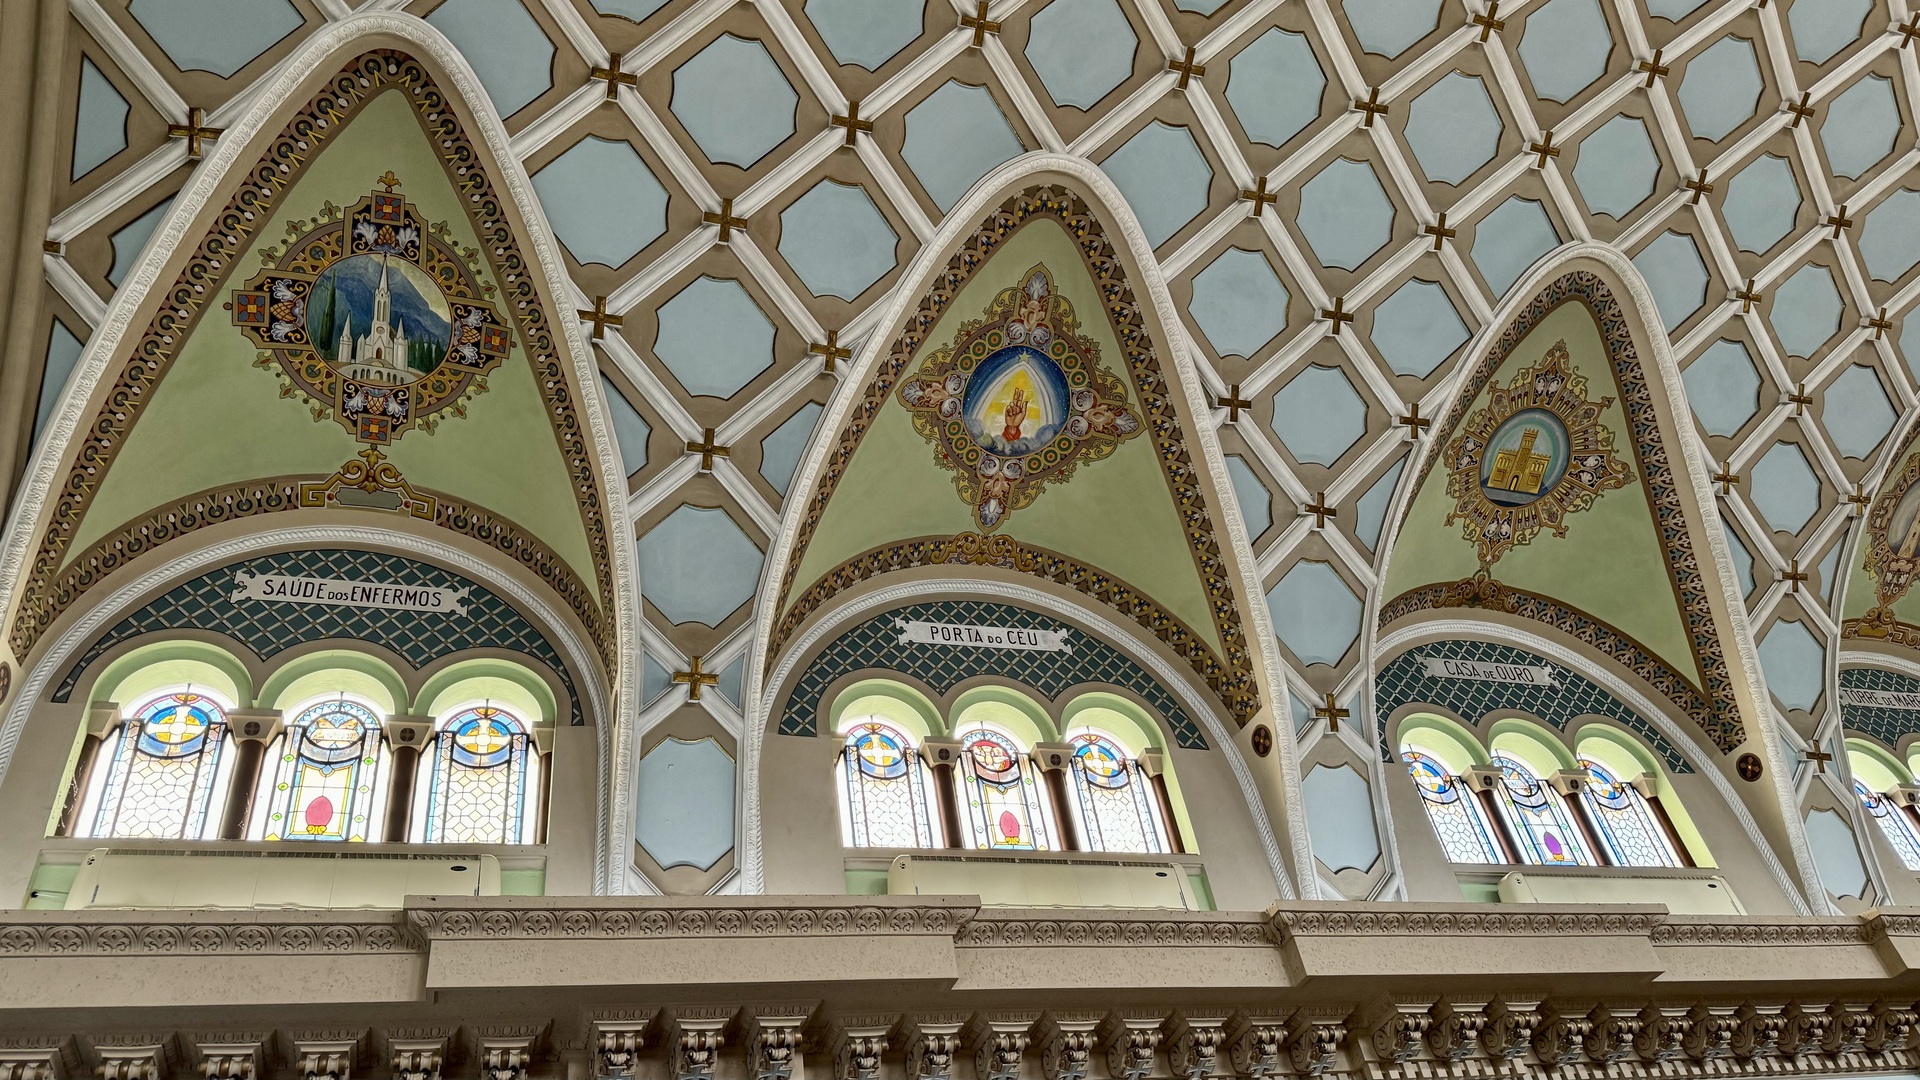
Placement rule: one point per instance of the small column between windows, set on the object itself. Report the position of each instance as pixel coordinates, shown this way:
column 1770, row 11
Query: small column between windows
column 944, row 755
column 1053, row 761
column 253, row 730
column 101, row 717
column 1154, row 764
column 541, row 735
column 405, row 736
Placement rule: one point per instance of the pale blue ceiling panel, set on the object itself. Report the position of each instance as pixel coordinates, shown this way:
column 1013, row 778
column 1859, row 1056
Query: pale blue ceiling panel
column 1675, row 275
column 1370, row 512
column 630, row 430
column 1785, row 489
column 1081, row 49
column 1340, row 818
column 1314, row 612
column 1835, row 854
column 1910, row 341
column 655, row 680
column 1319, row 415
column 99, row 123
column 1673, row 9
column 713, row 337
column 1721, row 88
column 1510, row 239
column 1822, row 28
column 505, row 46
column 1805, row 310
column 865, row 32
column 602, row 200
column 1742, row 561
column 683, row 803
column 1723, row 387
column 1345, row 214
column 955, row 137
column 1239, row 302
column 1387, row 27
column 130, row 238
column 1617, row 166
column 1890, row 235
column 1857, row 411
column 1164, row 176
column 1860, row 125
column 221, row 36
column 1794, row 662
column 697, row 566
column 1453, row 128
column 1256, row 502
column 1762, row 202
column 1274, row 86
column 629, row 9
column 836, row 240
column 734, row 100
column 780, row 451
column 1565, row 47
column 63, row 352
column 1416, row 328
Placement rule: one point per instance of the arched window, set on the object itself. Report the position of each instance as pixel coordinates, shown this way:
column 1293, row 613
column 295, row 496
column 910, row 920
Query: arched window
column 1537, row 817
column 168, row 769
column 885, row 799
column 1005, row 808
column 480, row 780
column 1624, row 823
column 1894, row 823
column 327, row 776
column 1457, row 816
column 1112, row 806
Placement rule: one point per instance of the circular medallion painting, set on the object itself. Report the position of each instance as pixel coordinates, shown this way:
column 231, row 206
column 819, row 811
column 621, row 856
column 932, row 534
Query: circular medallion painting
column 1015, row 402
column 378, row 319
column 1525, row 458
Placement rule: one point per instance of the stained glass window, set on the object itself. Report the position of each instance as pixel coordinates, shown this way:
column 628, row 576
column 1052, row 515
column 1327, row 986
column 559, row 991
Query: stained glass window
column 1623, row 821
column 169, row 766
column 1112, row 805
column 1005, row 806
column 326, row 775
column 1537, row 817
column 885, row 800
column 1894, row 824
column 1457, row 816
column 481, row 783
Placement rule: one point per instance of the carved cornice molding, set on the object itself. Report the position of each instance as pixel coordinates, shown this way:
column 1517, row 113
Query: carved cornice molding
column 484, row 921
column 143, row 934
column 1685, row 930
column 1234, row 930
column 1379, row 920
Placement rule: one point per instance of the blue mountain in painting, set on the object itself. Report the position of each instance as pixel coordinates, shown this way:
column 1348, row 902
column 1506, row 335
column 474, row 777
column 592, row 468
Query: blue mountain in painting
column 345, row 291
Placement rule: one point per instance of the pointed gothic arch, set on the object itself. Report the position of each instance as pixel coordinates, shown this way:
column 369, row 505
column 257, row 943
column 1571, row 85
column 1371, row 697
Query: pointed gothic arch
column 54, row 582
column 1223, row 661
column 1611, row 402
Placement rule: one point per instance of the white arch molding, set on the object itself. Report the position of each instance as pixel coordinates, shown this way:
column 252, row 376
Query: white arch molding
column 1664, row 374
column 331, row 45
column 1176, row 362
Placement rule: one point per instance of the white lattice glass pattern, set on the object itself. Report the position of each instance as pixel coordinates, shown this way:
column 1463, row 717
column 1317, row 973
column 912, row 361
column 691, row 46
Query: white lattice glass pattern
column 328, row 777
column 482, row 770
column 1624, row 822
column 1894, row 824
column 885, row 799
column 1111, row 803
column 1005, row 807
column 1458, row 819
column 165, row 766
column 1537, row 817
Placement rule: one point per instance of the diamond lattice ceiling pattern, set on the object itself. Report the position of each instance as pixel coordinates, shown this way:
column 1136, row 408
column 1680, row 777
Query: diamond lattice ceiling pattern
column 1338, row 193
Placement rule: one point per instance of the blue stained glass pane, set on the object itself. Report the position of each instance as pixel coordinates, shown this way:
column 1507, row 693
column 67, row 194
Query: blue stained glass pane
column 325, row 782
column 165, row 764
column 1537, row 816
column 1894, row 824
column 1112, row 805
column 477, row 790
column 1458, row 820
column 884, row 797
column 1005, row 811
column 1624, row 821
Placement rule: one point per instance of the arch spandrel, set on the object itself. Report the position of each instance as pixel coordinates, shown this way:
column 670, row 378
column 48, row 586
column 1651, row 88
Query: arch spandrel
column 1593, row 543
column 1118, row 504
column 441, row 393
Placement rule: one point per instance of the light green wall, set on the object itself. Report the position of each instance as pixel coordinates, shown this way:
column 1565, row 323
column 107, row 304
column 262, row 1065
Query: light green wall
column 217, row 419
column 1609, row 565
column 1116, row 515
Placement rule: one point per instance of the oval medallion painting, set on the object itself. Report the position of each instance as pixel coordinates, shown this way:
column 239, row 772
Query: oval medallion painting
column 1893, row 556
column 1535, row 452
column 1018, row 400
column 371, row 317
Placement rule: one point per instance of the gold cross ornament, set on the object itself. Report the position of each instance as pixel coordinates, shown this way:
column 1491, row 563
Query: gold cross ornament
column 694, row 678
column 195, row 132
column 1332, row 713
column 708, row 450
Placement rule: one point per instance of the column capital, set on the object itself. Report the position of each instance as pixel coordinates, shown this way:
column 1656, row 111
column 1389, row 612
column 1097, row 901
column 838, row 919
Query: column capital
column 418, row 1053
column 256, row 725
column 1053, row 756
column 407, row 729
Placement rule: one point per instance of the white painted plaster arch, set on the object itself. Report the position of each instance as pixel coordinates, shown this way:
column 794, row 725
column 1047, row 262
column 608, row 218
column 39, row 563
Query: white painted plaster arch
column 241, row 144
column 1288, row 858
column 1743, row 662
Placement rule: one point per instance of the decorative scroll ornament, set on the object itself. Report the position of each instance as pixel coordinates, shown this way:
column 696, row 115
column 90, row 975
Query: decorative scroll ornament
column 1018, row 400
column 1893, row 557
column 1535, row 453
column 374, row 317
